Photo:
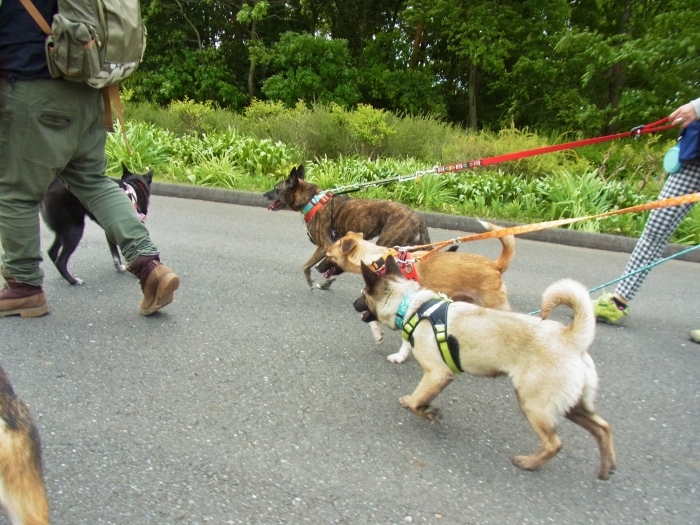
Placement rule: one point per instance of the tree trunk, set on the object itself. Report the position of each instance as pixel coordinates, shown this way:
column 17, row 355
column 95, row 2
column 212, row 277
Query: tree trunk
column 473, row 70
column 417, row 41
column 617, row 76
column 253, row 60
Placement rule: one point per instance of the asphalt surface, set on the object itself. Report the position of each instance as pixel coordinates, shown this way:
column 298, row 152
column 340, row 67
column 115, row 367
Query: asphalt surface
column 252, row 400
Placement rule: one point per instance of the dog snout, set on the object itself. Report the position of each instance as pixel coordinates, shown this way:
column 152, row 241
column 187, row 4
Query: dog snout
column 328, row 269
column 360, row 304
column 270, row 195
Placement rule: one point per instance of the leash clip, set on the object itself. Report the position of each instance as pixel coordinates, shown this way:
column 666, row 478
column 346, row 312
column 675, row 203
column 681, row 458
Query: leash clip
column 637, row 131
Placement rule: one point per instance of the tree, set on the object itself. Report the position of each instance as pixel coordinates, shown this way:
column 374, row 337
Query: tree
column 305, row 67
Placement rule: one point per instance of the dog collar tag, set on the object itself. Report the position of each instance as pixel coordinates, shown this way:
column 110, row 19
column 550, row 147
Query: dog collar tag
column 403, row 308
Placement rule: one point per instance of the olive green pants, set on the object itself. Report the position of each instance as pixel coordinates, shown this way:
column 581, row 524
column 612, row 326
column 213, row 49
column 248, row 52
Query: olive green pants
column 55, row 128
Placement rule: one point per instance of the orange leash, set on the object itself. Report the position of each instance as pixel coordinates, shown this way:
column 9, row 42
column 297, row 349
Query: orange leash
column 527, row 228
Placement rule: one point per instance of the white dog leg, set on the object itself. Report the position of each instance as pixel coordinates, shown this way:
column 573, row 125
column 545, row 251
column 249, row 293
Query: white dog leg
column 376, row 331
column 402, row 354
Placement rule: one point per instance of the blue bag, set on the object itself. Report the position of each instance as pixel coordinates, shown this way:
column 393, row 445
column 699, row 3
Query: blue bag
column 686, row 150
column 689, row 143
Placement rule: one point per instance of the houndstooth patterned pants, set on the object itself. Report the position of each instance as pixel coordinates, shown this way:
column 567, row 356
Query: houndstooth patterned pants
column 661, row 224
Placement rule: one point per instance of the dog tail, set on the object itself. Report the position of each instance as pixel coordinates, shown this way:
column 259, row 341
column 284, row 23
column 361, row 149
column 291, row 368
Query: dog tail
column 22, row 489
column 508, row 242
column 574, row 295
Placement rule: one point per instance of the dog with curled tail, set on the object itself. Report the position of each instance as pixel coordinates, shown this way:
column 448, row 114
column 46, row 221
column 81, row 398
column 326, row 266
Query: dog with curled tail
column 548, row 362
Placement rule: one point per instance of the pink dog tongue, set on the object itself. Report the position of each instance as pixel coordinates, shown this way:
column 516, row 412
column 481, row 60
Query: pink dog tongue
column 274, row 205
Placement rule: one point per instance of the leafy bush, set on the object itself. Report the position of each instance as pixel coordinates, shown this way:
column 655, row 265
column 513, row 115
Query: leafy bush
column 249, row 151
column 150, row 147
column 366, row 125
column 310, row 68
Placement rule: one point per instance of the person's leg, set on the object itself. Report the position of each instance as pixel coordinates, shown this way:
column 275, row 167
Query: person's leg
column 85, row 178
column 611, row 308
column 35, row 130
column 658, row 229
column 37, row 137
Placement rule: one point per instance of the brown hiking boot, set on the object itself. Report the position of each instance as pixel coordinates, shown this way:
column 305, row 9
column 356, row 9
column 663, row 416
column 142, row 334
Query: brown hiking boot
column 22, row 299
column 158, row 283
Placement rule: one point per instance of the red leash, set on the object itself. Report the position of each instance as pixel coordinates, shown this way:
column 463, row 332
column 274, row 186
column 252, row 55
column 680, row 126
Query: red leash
column 659, row 125
column 639, row 130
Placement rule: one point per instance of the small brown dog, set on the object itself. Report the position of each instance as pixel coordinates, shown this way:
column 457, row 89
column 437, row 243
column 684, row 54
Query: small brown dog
column 330, row 217
column 460, row 276
column 549, row 364
column 22, row 490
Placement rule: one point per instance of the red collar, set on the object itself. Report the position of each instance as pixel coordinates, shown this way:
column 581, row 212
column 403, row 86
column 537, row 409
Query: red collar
column 408, row 269
column 315, row 204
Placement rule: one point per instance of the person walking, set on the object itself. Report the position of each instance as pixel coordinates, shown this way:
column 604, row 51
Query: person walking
column 55, row 128
column 613, row 308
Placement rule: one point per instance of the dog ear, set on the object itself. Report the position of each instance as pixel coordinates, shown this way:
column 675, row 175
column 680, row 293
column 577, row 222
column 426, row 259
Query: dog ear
column 347, row 245
column 294, row 177
column 149, row 177
column 370, row 277
column 300, row 172
column 392, row 266
column 125, row 171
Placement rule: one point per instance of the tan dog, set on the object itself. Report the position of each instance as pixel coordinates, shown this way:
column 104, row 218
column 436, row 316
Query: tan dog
column 22, row 490
column 548, row 362
column 460, row 276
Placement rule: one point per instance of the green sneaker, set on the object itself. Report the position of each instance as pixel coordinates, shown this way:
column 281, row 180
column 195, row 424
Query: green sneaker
column 606, row 310
column 695, row 335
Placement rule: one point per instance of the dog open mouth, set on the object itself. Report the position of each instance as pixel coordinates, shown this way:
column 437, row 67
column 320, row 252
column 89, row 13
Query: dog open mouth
column 330, row 272
column 367, row 317
column 275, row 205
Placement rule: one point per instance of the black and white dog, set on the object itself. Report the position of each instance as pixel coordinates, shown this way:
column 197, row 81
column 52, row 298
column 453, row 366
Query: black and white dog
column 65, row 215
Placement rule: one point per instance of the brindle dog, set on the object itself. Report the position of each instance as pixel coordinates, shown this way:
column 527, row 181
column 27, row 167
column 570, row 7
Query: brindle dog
column 394, row 224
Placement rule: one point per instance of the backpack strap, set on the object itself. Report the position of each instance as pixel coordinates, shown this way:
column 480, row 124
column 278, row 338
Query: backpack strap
column 110, row 94
column 36, row 15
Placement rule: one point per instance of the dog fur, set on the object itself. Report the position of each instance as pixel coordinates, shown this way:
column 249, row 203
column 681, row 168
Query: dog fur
column 461, row 276
column 22, row 489
column 394, row 224
column 548, row 363
column 65, row 215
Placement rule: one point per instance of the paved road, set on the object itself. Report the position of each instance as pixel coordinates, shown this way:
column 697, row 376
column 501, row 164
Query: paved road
column 251, row 400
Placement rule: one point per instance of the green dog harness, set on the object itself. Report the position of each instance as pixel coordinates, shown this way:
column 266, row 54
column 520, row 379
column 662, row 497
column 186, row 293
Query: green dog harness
column 435, row 310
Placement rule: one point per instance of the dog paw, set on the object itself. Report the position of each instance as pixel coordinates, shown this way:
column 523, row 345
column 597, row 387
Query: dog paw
column 326, row 285
column 398, row 357
column 78, row 281
column 525, row 462
column 432, row 414
column 120, row 267
column 426, row 412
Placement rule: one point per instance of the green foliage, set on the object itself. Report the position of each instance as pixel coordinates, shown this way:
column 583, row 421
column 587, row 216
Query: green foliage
column 251, row 156
column 150, row 147
column 689, row 230
column 311, row 69
column 254, row 157
column 193, row 114
column 368, row 126
column 178, row 74
column 220, row 170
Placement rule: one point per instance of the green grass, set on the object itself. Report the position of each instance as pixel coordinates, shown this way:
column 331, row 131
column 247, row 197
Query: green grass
column 197, row 144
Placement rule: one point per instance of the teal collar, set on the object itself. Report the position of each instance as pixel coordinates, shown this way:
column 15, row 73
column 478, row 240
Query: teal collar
column 403, row 308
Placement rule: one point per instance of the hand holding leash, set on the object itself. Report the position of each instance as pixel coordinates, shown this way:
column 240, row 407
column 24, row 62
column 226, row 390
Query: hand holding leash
column 684, row 115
